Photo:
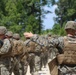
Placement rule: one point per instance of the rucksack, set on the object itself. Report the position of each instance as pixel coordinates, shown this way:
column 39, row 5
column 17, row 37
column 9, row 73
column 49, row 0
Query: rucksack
column 30, row 46
column 17, row 47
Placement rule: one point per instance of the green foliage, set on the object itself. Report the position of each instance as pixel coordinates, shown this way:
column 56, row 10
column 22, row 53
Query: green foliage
column 71, row 12
column 46, row 31
column 65, row 11
column 62, row 32
column 22, row 15
column 26, row 15
column 32, row 24
column 58, row 30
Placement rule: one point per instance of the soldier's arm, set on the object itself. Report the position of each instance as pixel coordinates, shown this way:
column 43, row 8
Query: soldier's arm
column 6, row 46
column 33, row 37
column 36, row 38
column 57, row 43
column 27, row 42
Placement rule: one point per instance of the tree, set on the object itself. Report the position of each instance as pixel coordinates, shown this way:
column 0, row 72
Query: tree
column 35, row 9
column 66, row 11
column 23, row 15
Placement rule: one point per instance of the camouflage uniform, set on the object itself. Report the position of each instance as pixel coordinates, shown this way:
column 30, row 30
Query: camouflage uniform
column 4, row 61
column 65, row 67
column 8, row 36
column 35, row 57
column 44, row 53
column 30, row 56
column 17, row 64
column 38, row 61
column 38, row 56
column 52, row 51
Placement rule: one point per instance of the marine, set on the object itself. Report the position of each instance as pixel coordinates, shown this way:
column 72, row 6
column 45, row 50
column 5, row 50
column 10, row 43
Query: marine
column 65, row 61
column 9, row 36
column 5, row 60
column 17, row 51
column 29, row 46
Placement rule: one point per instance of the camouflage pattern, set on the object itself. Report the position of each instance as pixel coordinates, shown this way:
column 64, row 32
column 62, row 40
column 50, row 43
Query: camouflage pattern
column 18, row 65
column 71, row 25
column 30, row 56
column 16, row 36
column 9, row 33
column 5, row 62
column 44, row 53
column 24, row 64
column 69, row 51
column 3, row 30
column 40, row 58
column 59, row 44
column 36, row 58
column 49, row 34
column 52, row 50
column 6, row 46
column 23, row 60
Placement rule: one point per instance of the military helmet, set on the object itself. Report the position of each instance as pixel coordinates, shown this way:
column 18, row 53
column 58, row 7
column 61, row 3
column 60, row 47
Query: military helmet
column 49, row 34
column 3, row 30
column 70, row 25
column 16, row 36
column 9, row 33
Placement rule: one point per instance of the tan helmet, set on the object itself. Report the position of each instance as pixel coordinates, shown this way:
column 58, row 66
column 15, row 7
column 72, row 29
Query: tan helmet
column 3, row 30
column 9, row 33
column 49, row 34
column 16, row 36
column 70, row 25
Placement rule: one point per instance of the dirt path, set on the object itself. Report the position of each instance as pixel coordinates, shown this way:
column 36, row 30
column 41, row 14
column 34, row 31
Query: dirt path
column 45, row 71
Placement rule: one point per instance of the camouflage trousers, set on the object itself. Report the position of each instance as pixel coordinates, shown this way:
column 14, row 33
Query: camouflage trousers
column 34, row 62
column 31, row 61
column 24, row 67
column 5, row 66
column 4, row 70
column 65, row 70
column 43, row 59
column 37, row 62
column 17, row 69
column 20, row 68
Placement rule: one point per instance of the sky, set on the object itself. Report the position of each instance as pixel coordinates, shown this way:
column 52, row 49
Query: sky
column 48, row 22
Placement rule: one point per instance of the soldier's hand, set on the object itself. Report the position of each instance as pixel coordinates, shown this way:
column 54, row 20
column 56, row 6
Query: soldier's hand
column 28, row 35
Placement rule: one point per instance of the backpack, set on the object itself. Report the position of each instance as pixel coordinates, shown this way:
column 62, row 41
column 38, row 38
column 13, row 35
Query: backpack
column 30, row 46
column 17, row 47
